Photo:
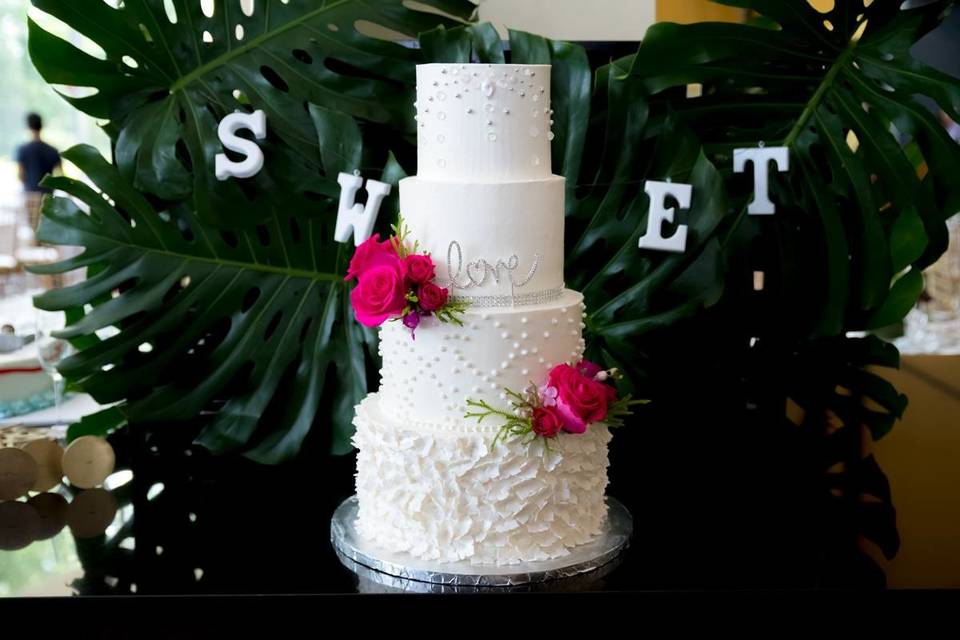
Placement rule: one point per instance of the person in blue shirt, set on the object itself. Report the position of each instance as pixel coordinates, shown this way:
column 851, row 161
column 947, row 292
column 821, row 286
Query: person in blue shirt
column 37, row 159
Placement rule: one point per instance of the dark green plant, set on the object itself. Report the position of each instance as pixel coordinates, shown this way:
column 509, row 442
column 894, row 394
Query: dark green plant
column 855, row 224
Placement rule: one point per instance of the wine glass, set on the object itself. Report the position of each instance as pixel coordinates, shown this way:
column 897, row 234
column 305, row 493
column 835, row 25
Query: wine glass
column 51, row 351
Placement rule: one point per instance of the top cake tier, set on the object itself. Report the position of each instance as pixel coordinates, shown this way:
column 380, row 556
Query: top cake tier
column 483, row 122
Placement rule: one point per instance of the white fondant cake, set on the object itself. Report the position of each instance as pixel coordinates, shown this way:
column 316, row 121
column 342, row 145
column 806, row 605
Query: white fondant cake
column 429, row 481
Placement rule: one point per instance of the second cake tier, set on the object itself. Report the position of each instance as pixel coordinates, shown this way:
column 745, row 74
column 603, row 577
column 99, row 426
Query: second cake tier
column 428, row 380
column 495, row 244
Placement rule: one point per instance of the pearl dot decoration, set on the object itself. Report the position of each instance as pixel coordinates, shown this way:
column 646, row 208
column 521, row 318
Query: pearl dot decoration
column 511, row 101
column 505, row 352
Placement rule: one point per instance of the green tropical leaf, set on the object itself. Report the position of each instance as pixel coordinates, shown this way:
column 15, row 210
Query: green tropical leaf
column 841, row 90
column 241, row 325
column 169, row 77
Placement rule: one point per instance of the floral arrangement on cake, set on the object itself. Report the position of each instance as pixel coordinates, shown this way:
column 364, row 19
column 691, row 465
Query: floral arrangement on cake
column 396, row 282
column 573, row 398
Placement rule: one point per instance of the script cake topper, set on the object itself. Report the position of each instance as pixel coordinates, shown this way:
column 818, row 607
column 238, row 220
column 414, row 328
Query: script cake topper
column 477, row 273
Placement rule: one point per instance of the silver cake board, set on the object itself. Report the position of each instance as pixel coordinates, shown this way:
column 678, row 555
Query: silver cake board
column 382, row 570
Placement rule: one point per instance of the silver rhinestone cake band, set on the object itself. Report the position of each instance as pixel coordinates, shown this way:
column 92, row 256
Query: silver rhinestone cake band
column 516, row 300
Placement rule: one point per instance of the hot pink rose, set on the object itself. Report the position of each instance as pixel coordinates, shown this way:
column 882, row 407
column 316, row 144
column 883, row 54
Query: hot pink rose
column 380, row 294
column 432, row 297
column 419, row 268
column 369, row 254
column 580, row 400
column 547, row 421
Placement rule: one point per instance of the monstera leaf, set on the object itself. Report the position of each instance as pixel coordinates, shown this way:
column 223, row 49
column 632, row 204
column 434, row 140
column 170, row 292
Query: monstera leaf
column 251, row 327
column 171, row 72
column 873, row 173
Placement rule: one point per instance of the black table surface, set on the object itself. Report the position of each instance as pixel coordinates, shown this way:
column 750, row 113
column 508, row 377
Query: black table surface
column 719, row 504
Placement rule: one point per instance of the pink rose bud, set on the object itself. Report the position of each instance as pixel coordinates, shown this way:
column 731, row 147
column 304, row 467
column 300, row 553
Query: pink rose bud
column 432, row 297
column 412, row 321
column 419, row 268
column 547, row 421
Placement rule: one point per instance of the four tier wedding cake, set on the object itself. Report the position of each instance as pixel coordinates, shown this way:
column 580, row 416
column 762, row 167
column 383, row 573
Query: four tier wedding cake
column 484, row 206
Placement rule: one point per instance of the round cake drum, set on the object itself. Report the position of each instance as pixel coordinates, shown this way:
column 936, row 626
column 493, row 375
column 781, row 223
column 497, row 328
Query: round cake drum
column 402, row 570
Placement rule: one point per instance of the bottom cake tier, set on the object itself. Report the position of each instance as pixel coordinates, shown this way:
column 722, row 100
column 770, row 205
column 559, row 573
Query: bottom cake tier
column 448, row 495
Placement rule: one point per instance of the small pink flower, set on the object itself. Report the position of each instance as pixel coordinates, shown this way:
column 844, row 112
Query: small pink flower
column 548, row 396
column 380, row 294
column 432, row 297
column 419, row 268
column 369, row 254
column 547, row 422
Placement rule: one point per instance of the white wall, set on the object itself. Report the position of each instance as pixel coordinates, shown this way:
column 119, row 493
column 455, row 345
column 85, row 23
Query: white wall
column 572, row 19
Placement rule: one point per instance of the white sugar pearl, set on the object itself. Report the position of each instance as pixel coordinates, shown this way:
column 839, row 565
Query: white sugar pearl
column 511, row 356
column 497, row 324
column 535, row 350
column 525, row 371
column 546, row 334
column 554, row 321
column 523, row 320
column 516, row 345
column 540, row 360
column 493, row 385
column 505, row 335
column 564, row 310
column 504, row 364
column 524, row 352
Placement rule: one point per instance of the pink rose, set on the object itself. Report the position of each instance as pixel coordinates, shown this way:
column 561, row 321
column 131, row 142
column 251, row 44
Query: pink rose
column 420, row 269
column 380, row 294
column 580, row 400
column 432, row 297
column 369, row 254
column 547, row 421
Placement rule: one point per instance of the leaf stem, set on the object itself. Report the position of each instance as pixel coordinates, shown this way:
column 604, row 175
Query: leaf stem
column 814, row 102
